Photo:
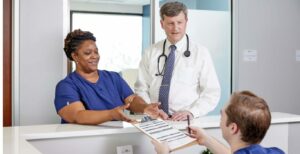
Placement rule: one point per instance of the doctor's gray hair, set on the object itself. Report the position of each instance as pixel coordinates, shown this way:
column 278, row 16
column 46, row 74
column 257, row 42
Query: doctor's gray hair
column 172, row 9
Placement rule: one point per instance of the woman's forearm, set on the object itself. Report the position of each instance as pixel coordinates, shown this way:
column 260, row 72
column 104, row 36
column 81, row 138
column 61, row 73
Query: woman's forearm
column 90, row 117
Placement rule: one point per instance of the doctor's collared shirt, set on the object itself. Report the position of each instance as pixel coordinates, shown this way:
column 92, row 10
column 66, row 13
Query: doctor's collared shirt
column 194, row 84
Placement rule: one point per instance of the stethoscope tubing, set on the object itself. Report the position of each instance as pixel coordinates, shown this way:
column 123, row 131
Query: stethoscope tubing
column 186, row 53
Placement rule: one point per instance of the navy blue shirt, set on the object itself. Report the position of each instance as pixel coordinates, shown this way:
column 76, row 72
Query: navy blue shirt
column 257, row 149
column 107, row 93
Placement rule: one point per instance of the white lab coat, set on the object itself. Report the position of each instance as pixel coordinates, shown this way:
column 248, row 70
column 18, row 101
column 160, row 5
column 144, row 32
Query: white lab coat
column 194, row 85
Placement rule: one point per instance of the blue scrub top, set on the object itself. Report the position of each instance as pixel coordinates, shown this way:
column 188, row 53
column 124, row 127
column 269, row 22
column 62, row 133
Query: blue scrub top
column 107, row 93
column 257, row 149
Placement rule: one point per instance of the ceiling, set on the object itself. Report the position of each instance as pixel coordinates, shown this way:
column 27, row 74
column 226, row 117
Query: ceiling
column 123, row 2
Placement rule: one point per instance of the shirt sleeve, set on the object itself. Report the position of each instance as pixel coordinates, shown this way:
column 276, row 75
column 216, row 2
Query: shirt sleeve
column 210, row 91
column 123, row 87
column 141, row 86
column 275, row 150
column 65, row 94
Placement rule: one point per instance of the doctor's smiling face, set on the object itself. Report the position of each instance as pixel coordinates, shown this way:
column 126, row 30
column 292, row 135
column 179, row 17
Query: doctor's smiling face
column 174, row 27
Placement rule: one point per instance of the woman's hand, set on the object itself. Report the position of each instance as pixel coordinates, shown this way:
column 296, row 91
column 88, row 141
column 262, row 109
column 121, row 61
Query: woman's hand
column 154, row 112
column 118, row 114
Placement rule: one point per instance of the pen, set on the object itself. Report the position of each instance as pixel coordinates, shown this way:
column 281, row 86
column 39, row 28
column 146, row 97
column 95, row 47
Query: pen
column 188, row 121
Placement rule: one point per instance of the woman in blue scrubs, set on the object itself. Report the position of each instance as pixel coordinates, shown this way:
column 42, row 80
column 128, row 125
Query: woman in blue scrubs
column 92, row 96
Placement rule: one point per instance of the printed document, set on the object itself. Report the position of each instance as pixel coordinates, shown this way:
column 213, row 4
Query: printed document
column 161, row 131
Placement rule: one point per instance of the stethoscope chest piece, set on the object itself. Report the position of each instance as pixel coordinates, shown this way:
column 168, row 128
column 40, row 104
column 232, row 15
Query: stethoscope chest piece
column 187, row 53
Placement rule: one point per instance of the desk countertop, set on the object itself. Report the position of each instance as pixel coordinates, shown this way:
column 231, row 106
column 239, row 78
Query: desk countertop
column 16, row 138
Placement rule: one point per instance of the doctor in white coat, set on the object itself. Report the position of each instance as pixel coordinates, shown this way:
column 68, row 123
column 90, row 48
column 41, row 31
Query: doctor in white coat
column 194, row 88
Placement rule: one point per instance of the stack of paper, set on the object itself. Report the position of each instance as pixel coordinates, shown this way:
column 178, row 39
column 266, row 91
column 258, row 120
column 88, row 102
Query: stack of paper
column 161, row 131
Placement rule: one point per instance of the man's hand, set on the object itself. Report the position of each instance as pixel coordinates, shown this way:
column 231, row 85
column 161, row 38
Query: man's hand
column 118, row 114
column 199, row 134
column 161, row 148
column 181, row 115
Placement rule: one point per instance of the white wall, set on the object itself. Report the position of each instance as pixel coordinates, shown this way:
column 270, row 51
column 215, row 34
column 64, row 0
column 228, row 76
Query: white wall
column 271, row 28
column 40, row 64
column 294, row 137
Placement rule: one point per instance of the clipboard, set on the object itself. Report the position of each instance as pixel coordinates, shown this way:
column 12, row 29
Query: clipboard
column 161, row 131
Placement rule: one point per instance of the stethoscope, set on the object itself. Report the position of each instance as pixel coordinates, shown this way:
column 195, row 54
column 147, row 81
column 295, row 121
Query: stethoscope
column 186, row 53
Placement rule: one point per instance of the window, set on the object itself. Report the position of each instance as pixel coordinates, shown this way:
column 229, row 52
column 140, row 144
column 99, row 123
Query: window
column 119, row 38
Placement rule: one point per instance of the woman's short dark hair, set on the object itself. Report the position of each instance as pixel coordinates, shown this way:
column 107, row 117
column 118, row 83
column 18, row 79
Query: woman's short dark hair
column 172, row 9
column 251, row 114
column 74, row 39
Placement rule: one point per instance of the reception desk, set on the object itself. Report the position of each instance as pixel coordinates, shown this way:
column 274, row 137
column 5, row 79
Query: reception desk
column 102, row 139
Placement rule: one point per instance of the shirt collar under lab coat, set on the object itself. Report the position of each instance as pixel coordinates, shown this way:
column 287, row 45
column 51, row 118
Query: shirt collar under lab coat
column 180, row 46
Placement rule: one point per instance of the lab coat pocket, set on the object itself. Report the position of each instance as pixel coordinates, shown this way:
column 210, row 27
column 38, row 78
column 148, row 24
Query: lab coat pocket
column 187, row 76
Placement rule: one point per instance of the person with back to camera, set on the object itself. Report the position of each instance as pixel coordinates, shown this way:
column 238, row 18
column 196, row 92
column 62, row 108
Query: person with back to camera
column 244, row 123
column 92, row 96
column 178, row 72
